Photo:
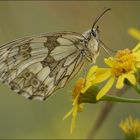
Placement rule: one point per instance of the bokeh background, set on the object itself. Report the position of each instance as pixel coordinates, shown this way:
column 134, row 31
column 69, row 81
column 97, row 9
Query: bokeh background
column 22, row 118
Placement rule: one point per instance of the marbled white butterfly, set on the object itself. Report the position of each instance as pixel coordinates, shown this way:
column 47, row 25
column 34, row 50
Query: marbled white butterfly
column 36, row 66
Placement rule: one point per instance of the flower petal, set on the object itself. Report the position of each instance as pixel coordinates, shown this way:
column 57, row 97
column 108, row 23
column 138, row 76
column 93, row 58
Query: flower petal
column 68, row 114
column 74, row 115
column 137, row 56
column 91, row 71
column 102, row 75
column 135, row 33
column 109, row 61
column 87, row 85
column 138, row 65
column 106, row 88
column 131, row 78
column 136, row 48
column 120, row 82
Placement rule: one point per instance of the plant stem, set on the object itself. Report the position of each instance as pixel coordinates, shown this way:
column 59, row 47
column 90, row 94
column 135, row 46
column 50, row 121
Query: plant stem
column 119, row 99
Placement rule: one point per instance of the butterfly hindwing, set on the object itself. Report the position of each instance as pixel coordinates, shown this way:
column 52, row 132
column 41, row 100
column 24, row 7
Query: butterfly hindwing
column 36, row 66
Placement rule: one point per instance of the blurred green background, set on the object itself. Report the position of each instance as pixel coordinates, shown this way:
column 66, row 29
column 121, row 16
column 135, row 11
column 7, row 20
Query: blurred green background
column 22, row 118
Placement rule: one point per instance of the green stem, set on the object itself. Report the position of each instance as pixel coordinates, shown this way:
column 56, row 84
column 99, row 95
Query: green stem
column 90, row 97
column 119, row 99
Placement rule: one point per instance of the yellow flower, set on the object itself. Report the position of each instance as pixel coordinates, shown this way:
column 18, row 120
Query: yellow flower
column 89, row 78
column 76, row 106
column 123, row 66
column 134, row 33
column 131, row 128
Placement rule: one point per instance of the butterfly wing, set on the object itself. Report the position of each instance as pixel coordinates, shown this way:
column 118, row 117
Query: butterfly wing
column 36, row 66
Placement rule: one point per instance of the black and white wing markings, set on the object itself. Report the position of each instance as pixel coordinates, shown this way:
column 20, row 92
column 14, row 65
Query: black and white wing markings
column 18, row 55
column 57, row 75
column 61, row 75
column 36, row 66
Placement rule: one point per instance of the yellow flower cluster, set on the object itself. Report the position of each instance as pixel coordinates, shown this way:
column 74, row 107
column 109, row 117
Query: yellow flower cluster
column 76, row 106
column 131, row 128
column 123, row 66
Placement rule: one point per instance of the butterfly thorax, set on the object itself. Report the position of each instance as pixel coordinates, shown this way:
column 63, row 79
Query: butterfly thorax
column 92, row 45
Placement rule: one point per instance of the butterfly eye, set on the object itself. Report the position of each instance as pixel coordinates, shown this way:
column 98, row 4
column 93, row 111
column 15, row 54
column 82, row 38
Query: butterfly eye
column 93, row 33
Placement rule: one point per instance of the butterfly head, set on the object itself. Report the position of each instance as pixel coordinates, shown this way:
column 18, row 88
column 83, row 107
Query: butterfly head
column 92, row 39
column 92, row 44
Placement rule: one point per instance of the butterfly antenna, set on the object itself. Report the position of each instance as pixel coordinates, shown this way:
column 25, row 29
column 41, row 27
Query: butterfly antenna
column 97, row 19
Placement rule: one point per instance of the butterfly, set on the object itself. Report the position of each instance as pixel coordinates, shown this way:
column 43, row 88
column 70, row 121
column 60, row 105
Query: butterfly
column 36, row 66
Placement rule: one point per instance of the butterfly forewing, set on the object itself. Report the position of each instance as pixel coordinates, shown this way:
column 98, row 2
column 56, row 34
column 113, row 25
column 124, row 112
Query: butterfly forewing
column 36, row 66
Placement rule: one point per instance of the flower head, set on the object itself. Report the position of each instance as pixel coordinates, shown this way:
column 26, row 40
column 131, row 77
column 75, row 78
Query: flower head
column 121, row 67
column 76, row 106
column 131, row 128
column 124, row 62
